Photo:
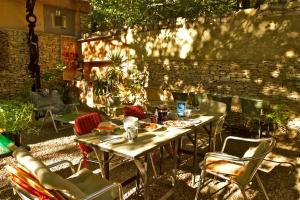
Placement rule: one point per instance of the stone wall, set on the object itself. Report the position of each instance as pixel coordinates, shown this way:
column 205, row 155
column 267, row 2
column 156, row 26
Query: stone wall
column 14, row 58
column 252, row 53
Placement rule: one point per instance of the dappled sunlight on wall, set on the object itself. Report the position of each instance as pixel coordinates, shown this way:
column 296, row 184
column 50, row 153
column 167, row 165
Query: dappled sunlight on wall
column 252, row 53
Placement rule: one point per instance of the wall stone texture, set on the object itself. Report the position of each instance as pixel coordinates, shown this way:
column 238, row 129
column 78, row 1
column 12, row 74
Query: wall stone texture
column 253, row 53
column 14, row 58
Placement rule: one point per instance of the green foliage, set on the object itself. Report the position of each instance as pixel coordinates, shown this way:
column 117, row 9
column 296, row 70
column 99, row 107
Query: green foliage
column 53, row 80
column 115, row 82
column 15, row 116
column 115, row 14
column 24, row 94
column 134, row 85
column 279, row 115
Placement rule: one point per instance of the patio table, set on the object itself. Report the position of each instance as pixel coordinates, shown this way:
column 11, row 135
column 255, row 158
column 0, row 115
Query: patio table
column 143, row 146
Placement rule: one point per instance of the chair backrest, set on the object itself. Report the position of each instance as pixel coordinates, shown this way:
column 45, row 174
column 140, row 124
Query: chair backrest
column 218, row 129
column 224, row 99
column 36, row 179
column 253, row 157
column 251, row 107
column 53, row 99
column 213, row 107
column 84, row 124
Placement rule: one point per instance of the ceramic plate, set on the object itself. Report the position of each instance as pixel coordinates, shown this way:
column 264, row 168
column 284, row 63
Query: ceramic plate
column 115, row 140
column 178, row 123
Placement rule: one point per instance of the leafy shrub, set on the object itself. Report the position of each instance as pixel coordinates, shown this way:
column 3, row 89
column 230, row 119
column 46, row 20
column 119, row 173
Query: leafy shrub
column 15, row 116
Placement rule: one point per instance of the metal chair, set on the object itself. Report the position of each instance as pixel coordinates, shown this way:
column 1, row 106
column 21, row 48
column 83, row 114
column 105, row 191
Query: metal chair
column 52, row 105
column 218, row 130
column 84, row 124
column 32, row 180
column 253, row 109
column 233, row 168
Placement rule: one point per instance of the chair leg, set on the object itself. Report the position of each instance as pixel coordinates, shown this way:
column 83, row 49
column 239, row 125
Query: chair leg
column 201, row 182
column 53, row 121
column 243, row 192
column 261, row 186
column 80, row 163
column 259, row 128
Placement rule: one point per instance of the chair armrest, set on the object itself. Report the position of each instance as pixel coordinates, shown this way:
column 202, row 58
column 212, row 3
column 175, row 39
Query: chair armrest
column 44, row 108
column 60, row 163
column 103, row 190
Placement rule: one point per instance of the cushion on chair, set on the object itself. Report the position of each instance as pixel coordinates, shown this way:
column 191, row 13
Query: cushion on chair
column 223, row 166
column 84, row 124
column 135, row 111
column 26, row 182
column 47, row 179
column 89, row 182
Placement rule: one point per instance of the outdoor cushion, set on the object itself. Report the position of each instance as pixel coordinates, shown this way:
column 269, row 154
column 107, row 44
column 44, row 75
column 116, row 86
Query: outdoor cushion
column 83, row 125
column 27, row 182
column 52, row 101
column 223, row 166
column 88, row 182
column 47, row 179
column 135, row 111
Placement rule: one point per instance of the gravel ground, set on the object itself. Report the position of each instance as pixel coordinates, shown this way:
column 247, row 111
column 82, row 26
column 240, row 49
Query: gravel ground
column 282, row 182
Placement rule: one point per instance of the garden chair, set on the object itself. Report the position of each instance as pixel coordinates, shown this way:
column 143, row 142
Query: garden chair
column 31, row 179
column 52, row 105
column 236, row 169
column 217, row 108
column 84, row 124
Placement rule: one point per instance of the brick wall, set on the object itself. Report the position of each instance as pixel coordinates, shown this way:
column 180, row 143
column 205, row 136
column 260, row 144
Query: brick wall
column 14, row 58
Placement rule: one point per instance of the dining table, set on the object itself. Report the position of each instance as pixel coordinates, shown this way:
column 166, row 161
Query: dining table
column 140, row 149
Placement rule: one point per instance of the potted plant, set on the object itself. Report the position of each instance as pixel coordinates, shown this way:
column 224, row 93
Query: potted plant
column 15, row 119
column 53, row 80
column 279, row 117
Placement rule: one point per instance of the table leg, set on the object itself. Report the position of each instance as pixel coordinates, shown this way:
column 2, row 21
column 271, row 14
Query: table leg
column 106, row 165
column 175, row 160
column 100, row 161
column 161, row 149
column 195, row 151
column 209, row 136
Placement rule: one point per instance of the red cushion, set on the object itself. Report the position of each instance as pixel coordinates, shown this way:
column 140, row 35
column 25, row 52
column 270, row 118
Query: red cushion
column 84, row 124
column 135, row 111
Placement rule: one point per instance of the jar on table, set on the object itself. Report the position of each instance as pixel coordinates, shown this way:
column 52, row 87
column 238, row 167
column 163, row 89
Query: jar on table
column 162, row 113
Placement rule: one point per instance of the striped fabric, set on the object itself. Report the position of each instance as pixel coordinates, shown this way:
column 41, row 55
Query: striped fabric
column 84, row 124
column 25, row 181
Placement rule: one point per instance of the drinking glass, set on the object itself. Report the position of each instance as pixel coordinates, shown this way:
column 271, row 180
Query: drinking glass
column 131, row 128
